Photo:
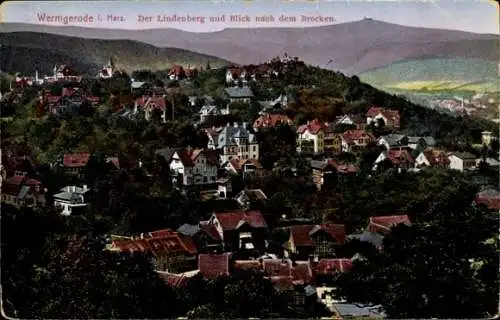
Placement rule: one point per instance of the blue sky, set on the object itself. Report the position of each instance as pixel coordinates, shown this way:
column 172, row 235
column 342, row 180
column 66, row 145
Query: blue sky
column 467, row 15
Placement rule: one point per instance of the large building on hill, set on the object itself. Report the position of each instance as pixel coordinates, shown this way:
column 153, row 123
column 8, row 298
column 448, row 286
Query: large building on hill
column 234, row 142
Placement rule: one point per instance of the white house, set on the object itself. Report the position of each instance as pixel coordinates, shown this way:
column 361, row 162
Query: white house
column 107, row 71
column 71, row 199
column 194, row 167
column 432, row 158
column 311, row 137
column 211, row 111
column 234, row 142
column 462, row 161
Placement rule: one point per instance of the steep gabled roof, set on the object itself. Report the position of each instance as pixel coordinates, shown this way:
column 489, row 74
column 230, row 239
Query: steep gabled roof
column 397, row 156
column 271, row 120
column 435, row 157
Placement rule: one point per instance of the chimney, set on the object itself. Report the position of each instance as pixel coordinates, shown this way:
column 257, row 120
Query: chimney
column 244, row 125
column 235, row 124
column 85, row 188
column 228, row 124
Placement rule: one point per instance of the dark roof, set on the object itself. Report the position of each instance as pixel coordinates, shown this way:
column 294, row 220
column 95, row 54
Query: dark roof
column 370, row 237
column 239, row 92
column 166, row 153
column 188, row 229
column 465, row 155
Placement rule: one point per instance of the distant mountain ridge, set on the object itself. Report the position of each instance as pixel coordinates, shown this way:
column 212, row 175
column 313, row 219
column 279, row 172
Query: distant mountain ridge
column 26, row 52
column 352, row 47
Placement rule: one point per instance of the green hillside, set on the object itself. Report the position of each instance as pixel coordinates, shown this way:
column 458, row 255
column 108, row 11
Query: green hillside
column 437, row 74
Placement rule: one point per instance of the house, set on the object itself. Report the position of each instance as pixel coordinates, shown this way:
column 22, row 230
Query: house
column 245, row 168
column 314, row 241
column 169, row 251
column 354, row 141
column 383, row 224
column 74, row 163
column 421, row 143
column 214, row 265
column 241, row 230
column 490, row 198
column 107, row 71
column 432, row 158
column 271, row 121
column 462, row 161
column 330, row 172
column 351, row 119
column 310, row 138
column 400, row 159
column 393, row 140
column 208, row 111
column 234, row 142
column 385, row 117
column 151, row 105
column 205, row 237
column 234, row 75
column 332, row 141
column 194, row 167
column 326, row 268
column 247, row 197
column 176, row 73
column 239, row 94
column 19, row 190
column 487, row 137
column 71, row 200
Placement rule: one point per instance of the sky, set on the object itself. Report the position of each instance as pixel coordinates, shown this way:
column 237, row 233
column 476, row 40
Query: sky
column 479, row 16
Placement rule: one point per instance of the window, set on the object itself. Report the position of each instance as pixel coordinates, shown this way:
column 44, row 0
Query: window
column 205, row 180
column 254, row 148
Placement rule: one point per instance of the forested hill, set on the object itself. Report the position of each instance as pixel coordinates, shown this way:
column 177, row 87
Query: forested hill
column 333, row 94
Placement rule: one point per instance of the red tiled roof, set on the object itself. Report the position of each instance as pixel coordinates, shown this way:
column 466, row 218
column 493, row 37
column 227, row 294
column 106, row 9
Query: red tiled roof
column 277, row 267
column 76, row 160
column 231, row 220
column 176, row 70
column 238, row 163
column 492, row 203
column 16, row 180
column 436, row 157
column 389, row 114
column 312, row 126
column 174, row 280
column 383, row 224
column 352, row 135
column 161, row 233
column 271, row 120
column 301, row 234
column 156, row 102
column 337, row 231
column 397, row 156
column 211, row 230
column 213, row 265
column 32, row 182
column 188, row 156
column 302, row 272
column 329, row 266
column 158, row 245
column 53, row 99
